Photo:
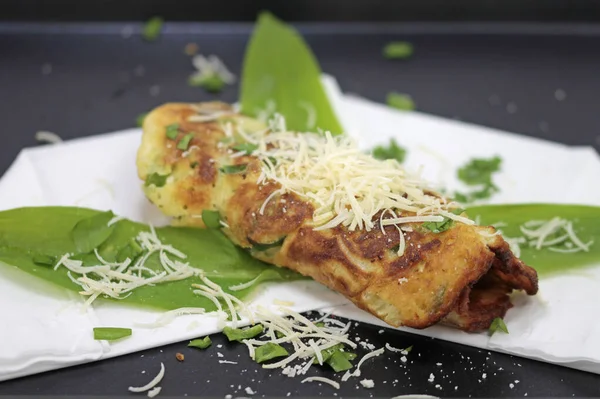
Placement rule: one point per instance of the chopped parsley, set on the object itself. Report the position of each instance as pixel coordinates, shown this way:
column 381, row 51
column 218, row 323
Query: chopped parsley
column 336, row 358
column 233, row 169
column 398, row 50
column 200, row 343
column 184, row 143
column 152, row 29
column 391, row 151
column 478, row 172
column 400, row 101
column 236, row 334
column 438, row 227
column 269, row 351
column 498, row 324
column 156, row 180
column 44, row 260
column 111, row 333
column 139, row 121
column 172, row 131
column 212, row 83
column 248, row 148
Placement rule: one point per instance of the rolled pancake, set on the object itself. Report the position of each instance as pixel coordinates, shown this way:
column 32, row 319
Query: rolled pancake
column 462, row 276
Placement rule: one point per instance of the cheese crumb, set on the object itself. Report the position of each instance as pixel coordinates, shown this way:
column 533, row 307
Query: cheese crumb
column 367, row 383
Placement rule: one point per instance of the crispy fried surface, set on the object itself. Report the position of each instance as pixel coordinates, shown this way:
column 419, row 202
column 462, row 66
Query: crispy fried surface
column 461, row 277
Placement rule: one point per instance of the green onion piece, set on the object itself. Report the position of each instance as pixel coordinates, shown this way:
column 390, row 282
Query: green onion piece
column 139, row 121
column 498, row 324
column 407, row 350
column 327, row 353
column 279, row 334
column 350, row 355
column 156, row 180
column 400, row 101
column 236, row 334
column 45, row 260
column 212, row 83
column 233, row 169
column 111, row 333
column 320, row 324
column 152, row 28
column 132, row 250
column 200, row 343
column 172, row 131
column 184, row 143
column 211, row 219
column 194, row 165
column 398, row 50
column 391, row 151
column 339, row 362
column 91, row 232
column 269, row 351
column 248, row 148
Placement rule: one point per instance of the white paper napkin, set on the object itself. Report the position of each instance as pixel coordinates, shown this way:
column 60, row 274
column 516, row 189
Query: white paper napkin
column 99, row 172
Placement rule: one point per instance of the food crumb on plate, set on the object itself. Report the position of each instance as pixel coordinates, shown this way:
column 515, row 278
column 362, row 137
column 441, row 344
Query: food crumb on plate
column 367, row 383
column 180, row 357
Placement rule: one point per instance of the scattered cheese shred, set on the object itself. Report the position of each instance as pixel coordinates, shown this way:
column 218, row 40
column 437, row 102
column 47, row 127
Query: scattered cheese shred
column 154, row 392
column 243, row 286
column 48, row 137
column 366, row 357
column 367, row 383
column 155, row 381
column 329, row 381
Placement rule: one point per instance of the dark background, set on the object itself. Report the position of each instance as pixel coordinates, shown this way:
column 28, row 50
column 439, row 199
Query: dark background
column 474, row 61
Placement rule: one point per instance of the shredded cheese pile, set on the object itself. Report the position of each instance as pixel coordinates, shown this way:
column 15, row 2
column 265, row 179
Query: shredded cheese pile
column 115, row 279
column 347, row 186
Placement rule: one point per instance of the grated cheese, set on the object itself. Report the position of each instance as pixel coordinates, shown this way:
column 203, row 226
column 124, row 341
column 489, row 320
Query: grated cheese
column 367, row 383
column 154, row 392
column 169, row 316
column 356, row 372
column 48, row 137
column 329, row 381
column 155, row 381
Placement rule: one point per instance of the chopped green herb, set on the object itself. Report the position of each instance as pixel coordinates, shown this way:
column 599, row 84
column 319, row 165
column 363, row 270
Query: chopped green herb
column 407, row 350
column 111, row 333
column 236, row 334
column 339, row 362
column 200, row 343
column 233, row 169
column 320, row 324
column 498, row 324
column 400, row 101
column 152, row 28
column 211, row 219
column 193, row 165
column 391, row 151
column 398, row 50
column 350, row 355
column 212, row 83
column 478, row 172
column 438, row 227
column 327, row 353
column 248, row 148
column 269, row 351
column 139, row 121
column 279, row 334
column 156, row 179
column 91, row 232
column 172, row 131
column 184, row 143
column 44, row 260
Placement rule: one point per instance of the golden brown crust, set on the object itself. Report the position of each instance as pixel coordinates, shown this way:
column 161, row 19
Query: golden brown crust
column 461, row 277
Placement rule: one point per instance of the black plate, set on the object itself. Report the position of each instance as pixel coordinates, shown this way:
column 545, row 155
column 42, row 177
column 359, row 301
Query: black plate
column 99, row 81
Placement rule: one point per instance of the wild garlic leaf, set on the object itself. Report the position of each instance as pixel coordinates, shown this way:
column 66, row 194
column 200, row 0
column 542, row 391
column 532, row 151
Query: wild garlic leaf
column 91, row 232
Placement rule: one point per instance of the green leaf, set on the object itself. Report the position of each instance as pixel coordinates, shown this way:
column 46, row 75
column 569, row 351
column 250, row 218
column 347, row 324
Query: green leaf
column 111, row 333
column 233, row 169
column 349, row 355
column 132, row 250
column 236, row 334
column 248, row 148
column 90, row 233
column 400, row 101
column 156, row 180
column 27, row 232
column 407, row 350
column 172, row 131
column 586, row 224
column 139, row 121
column 200, row 343
column 280, row 68
column 184, row 143
column 327, row 353
column 398, row 50
column 152, row 29
column 212, row 83
column 211, row 219
column 391, row 151
column 269, row 351
column 498, row 324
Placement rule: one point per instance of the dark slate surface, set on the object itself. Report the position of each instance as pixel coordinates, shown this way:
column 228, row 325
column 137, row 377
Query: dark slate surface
column 99, row 82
